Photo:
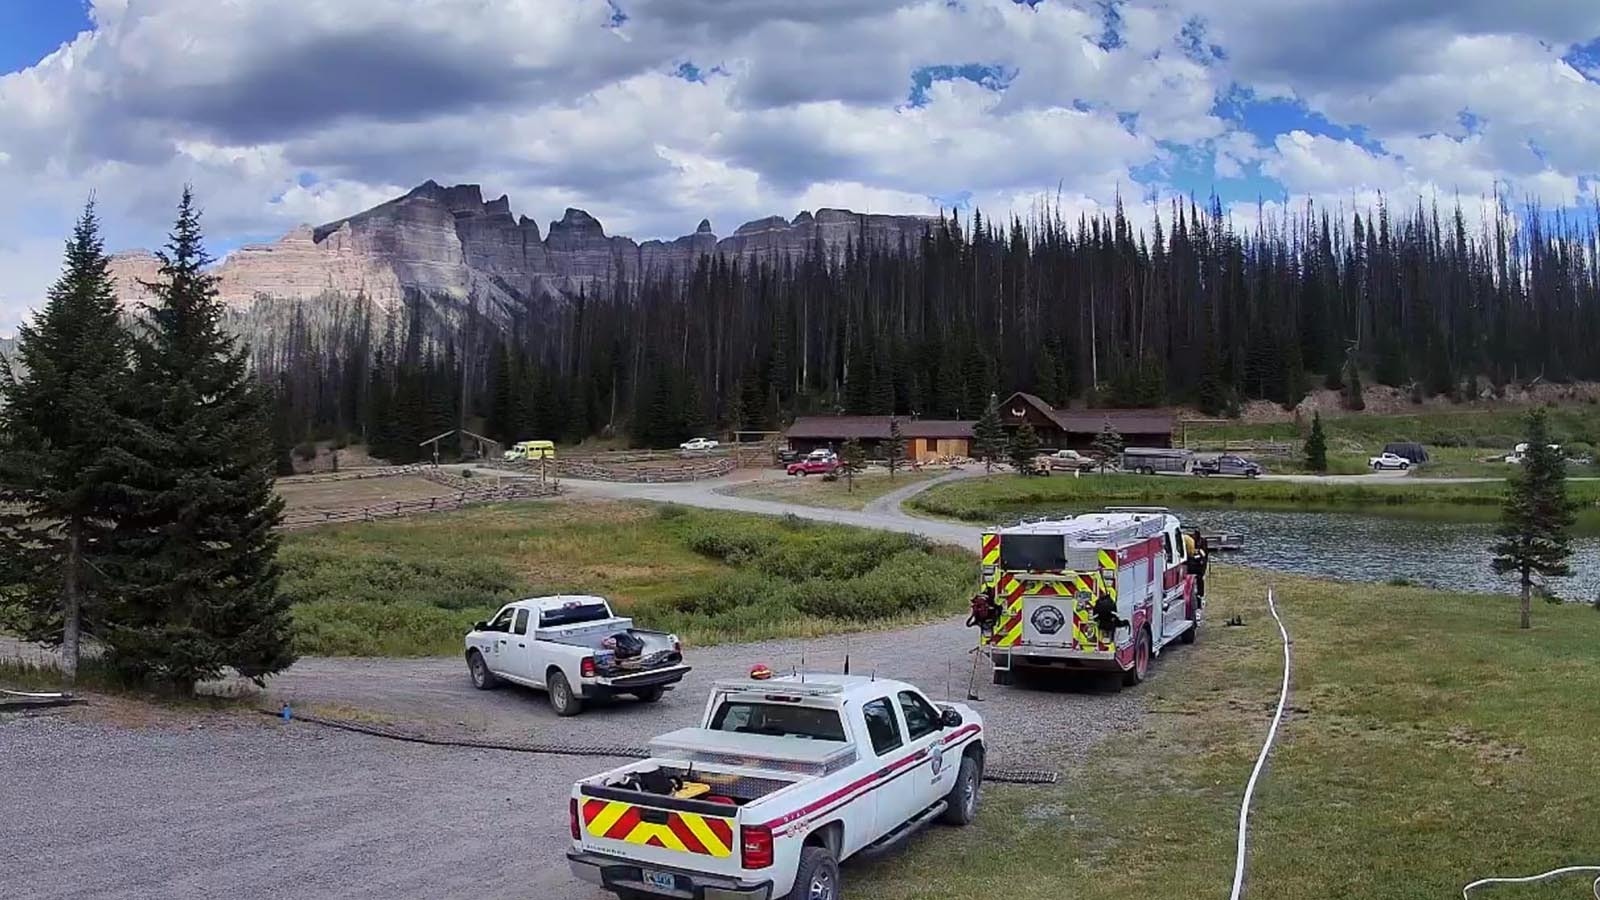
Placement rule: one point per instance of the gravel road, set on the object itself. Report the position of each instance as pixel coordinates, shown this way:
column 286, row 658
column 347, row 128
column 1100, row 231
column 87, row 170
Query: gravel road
column 244, row 806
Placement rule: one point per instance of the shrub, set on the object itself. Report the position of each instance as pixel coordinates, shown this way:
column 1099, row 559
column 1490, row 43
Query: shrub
column 671, row 511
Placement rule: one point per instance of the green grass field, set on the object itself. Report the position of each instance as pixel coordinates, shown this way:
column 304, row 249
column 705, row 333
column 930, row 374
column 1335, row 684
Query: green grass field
column 413, row 587
column 1001, row 497
column 813, row 491
column 1428, row 743
column 1461, row 442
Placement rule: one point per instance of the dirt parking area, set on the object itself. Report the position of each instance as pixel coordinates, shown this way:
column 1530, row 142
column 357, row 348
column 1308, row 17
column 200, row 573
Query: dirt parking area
column 244, row 806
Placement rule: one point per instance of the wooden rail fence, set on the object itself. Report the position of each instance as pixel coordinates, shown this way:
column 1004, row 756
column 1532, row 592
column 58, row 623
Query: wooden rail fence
column 311, row 518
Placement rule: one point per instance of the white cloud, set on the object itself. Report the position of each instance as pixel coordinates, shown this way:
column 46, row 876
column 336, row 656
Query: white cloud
column 283, row 111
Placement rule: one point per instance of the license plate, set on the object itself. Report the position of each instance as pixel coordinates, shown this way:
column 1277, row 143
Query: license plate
column 665, row 880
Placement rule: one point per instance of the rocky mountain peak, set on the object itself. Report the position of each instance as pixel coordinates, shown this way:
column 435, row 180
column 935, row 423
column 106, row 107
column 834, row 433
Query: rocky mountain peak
column 576, row 220
column 445, row 244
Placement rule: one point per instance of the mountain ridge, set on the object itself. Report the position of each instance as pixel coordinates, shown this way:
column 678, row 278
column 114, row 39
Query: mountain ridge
column 448, row 243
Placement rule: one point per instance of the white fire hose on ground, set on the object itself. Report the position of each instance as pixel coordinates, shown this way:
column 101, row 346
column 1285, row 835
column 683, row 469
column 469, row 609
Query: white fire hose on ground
column 1261, row 760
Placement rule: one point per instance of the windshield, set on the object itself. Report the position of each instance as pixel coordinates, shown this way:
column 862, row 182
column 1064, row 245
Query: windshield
column 778, row 720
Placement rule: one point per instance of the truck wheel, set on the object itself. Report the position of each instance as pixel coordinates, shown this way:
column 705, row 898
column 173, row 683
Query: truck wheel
column 562, row 698
column 1192, row 633
column 482, row 678
column 962, row 800
column 818, row 876
column 1141, row 660
column 650, row 694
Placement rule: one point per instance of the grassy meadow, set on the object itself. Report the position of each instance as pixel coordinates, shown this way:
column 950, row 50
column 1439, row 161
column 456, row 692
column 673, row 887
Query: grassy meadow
column 413, row 587
column 1461, row 442
column 1002, row 497
column 1428, row 742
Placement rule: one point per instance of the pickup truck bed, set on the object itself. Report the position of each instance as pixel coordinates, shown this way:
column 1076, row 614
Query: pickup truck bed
column 723, row 811
column 568, row 647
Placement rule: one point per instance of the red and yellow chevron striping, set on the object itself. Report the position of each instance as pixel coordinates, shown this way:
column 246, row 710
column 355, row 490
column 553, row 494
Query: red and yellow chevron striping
column 684, row 832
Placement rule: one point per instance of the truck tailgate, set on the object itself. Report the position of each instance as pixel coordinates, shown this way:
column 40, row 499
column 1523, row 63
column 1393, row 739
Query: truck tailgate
column 685, row 834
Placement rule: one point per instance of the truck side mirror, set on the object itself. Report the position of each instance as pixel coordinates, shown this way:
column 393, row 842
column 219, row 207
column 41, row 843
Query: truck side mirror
column 480, row 626
column 950, row 719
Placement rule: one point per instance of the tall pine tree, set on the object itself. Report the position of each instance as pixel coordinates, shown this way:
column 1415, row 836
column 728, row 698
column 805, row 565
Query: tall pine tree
column 195, row 571
column 1317, row 447
column 989, row 436
column 1536, row 524
column 60, row 423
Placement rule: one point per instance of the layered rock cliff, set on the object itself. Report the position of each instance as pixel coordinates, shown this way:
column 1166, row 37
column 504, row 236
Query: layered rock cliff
column 450, row 245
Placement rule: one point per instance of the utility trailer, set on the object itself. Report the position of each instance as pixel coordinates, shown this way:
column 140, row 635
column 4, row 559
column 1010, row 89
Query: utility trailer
column 1101, row 591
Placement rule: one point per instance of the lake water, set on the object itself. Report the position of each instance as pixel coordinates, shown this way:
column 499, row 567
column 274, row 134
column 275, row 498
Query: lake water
column 1436, row 552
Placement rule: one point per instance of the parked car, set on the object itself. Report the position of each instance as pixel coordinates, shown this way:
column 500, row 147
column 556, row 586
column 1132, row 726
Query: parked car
column 788, row 455
column 783, row 780
column 817, row 462
column 1229, row 464
column 574, row 648
column 698, row 443
column 1150, row 460
column 1388, row 461
column 1519, row 454
column 1067, row 461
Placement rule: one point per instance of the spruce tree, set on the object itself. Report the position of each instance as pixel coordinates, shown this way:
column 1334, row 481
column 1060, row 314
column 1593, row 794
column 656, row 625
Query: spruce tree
column 1046, row 381
column 1024, row 449
column 61, row 422
column 1536, row 522
column 1107, row 445
column 1317, row 447
column 989, row 436
column 852, row 459
column 894, row 449
column 1353, row 399
column 195, row 571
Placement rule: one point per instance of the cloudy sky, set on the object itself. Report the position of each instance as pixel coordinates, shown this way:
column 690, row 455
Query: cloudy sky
column 655, row 113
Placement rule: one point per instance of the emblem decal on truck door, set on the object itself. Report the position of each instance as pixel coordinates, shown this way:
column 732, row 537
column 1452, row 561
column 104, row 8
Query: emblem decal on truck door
column 1048, row 619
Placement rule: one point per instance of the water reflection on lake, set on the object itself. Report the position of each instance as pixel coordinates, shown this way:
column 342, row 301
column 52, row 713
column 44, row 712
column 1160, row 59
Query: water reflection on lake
column 1453, row 555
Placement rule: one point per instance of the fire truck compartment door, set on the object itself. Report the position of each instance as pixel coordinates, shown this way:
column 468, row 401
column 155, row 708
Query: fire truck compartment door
column 1048, row 620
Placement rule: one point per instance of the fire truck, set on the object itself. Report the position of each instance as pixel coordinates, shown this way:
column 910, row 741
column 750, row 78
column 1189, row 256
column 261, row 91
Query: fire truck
column 1106, row 590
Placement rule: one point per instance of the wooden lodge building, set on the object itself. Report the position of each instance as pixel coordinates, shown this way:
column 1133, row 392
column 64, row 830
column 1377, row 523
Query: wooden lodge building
column 1076, row 429
column 927, row 439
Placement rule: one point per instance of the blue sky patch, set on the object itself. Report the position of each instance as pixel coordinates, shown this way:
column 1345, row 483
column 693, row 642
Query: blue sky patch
column 32, row 29
column 1585, row 58
column 1267, row 118
column 1110, row 25
column 993, row 77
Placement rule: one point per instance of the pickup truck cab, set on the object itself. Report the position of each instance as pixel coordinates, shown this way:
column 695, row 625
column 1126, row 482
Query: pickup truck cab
column 1388, row 461
column 1068, row 460
column 576, row 649
column 784, row 779
column 817, row 462
column 1228, row 464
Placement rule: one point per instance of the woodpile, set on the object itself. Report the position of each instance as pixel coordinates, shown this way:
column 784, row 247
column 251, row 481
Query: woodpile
column 680, row 470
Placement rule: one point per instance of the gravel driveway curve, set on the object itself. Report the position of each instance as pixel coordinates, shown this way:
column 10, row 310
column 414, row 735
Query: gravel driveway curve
column 244, row 806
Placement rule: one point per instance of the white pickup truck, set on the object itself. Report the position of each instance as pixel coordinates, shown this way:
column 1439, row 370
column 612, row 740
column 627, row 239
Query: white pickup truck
column 574, row 648
column 784, row 779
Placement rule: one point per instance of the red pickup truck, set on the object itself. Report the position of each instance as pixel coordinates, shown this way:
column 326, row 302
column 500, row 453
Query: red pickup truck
column 819, row 462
